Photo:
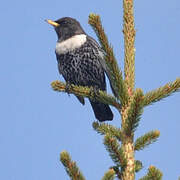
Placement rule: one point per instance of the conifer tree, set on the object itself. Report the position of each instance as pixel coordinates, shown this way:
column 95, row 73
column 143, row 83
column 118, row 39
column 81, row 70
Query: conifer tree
column 130, row 102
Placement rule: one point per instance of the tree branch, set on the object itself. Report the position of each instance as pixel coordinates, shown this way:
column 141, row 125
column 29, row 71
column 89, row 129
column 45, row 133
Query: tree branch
column 153, row 174
column 129, row 39
column 134, row 112
column 115, row 151
column 109, row 175
column 162, row 92
column 104, row 129
column 112, row 70
column 71, row 167
column 86, row 92
column 146, row 140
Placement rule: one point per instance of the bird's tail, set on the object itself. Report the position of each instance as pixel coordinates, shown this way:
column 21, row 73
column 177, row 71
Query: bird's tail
column 101, row 111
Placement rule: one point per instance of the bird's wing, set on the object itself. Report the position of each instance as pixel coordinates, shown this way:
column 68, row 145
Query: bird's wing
column 102, row 60
column 101, row 54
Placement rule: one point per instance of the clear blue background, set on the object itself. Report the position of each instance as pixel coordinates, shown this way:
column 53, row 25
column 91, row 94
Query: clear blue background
column 36, row 123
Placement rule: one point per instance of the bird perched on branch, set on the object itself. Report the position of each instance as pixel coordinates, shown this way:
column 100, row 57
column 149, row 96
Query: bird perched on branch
column 78, row 56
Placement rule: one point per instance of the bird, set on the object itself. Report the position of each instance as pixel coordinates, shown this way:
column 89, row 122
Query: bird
column 79, row 58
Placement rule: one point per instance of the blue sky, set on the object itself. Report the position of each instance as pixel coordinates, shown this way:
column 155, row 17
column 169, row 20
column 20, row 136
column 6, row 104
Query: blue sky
column 38, row 123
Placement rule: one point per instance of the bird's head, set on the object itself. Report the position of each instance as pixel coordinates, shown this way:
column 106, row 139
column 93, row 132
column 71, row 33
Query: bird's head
column 66, row 27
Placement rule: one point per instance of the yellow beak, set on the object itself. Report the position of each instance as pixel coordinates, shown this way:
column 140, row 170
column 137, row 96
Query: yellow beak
column 55, row 24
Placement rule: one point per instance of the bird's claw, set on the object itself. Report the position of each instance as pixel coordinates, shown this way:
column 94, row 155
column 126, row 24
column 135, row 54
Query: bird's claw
column 68, row 87
column 94, row 91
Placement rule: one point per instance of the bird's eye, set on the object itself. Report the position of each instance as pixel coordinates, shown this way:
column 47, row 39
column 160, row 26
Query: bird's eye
column 63, row 22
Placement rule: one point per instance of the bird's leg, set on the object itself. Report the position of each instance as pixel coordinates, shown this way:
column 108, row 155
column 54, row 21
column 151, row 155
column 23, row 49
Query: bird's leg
column 94, row 91
column 68, row 87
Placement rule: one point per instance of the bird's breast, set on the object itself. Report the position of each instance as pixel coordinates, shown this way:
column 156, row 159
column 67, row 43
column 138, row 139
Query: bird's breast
column 70, row 44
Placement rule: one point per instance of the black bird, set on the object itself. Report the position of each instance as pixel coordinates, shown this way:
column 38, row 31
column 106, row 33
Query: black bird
column 80, row 60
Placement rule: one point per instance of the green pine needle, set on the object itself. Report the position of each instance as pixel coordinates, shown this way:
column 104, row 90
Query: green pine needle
column 115, row 151
column 134, row 112
column 162, row 92
column 146, row 140
column 153, row 174
column 129, row 44
column 109, row 175
column 138, row 166
column 109, row 62
column 104, row 128
column 85, row 91
column 71, row 167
